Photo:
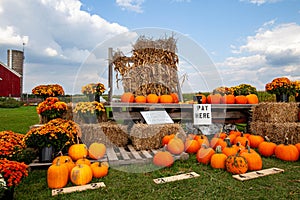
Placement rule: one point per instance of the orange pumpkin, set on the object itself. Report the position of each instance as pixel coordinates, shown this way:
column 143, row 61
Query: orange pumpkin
column 66, row 160
column 166, row 139
column 204, row 98
column 216, row 141
column 204, row 154
column 152, row 98
column 255, row 140
column 77, row 151
column 254, row 160
column 242, row 139
column 298, row 146
column 99, row 170
column 218, row 159
column 175, row 97
column 267, row 148
column 229, row 149
column 228, row 99
column 252, row 99
column 83, row 161
column 163, row 159
column 127, row 97
column 175, row 146
column 214, row 99
column 191, row 146
column 286, row 151
column 57, row 175
column 166, row 98
column 140, row 99
column 97, row 150
column 202, row 139
column 236, row 164
column 241, row 99
column 81, row 174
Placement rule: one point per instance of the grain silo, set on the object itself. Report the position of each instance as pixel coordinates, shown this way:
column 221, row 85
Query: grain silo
column 15, row 61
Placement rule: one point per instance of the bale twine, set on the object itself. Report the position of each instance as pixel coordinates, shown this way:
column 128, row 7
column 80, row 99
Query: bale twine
column 277, row 132
column 107, row 133
column 275, row 112
column 145, row 137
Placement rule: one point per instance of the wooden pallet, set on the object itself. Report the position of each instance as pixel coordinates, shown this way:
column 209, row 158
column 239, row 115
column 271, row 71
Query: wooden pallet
column 118, row 156
column 257, row 174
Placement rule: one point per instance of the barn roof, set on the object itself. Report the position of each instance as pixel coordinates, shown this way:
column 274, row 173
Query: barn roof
column 11, row 70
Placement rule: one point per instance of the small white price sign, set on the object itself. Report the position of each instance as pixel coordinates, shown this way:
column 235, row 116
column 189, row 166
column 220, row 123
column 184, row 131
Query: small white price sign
column 202, row 114
column 157, row 117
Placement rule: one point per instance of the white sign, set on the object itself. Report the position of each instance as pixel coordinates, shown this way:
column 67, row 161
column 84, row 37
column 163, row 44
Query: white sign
column 157, row 117
column 202, row 114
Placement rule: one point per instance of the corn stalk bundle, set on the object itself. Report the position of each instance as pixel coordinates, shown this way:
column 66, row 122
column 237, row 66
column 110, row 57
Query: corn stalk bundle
column 152, row 68
column 277, row 132
column 145, row 137
column 275, row 112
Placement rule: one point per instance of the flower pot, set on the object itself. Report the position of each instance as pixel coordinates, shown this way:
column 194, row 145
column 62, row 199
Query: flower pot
column 46, row 154
column 8, row 194
column 282, row 97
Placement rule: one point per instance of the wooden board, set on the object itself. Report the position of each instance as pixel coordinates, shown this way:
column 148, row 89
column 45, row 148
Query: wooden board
column 257, row 174
column 90, row 186
column 176, row 177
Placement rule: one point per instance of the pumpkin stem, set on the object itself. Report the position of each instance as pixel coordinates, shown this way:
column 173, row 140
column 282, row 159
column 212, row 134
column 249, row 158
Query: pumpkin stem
column 286, row 141
column 218, row 149
column 248, row 148
column 267, row 138
column 227, row 140
column 58, row 162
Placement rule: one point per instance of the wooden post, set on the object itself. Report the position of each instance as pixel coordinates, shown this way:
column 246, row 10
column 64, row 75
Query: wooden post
column 110, row 74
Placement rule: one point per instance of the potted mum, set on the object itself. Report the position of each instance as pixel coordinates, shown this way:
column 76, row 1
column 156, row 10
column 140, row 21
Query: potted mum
column 90, row 112
column 11, row 174
column 93, row 91
column 296, row 85
column 244, row 89
column 281, row 87
column 51, row 108
column 55, row 136
column 44, row 91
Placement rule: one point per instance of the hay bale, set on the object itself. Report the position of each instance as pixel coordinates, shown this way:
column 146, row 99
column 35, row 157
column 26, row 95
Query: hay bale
column 145, row 137
column 107, row 133
column 275, row 112
column 277, row 132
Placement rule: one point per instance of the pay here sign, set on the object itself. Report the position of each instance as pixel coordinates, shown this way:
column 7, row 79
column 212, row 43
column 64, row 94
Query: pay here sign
column 202, row 114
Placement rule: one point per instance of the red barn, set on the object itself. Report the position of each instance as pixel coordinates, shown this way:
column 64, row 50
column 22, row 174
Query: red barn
column 10, row 82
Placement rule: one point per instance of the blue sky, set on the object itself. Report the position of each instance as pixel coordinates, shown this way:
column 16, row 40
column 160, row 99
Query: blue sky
column 248, row 41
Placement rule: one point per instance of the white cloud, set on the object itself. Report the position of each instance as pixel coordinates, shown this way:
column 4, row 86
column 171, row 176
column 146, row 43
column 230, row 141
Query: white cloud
column 273, row 51
column 259, row 2
column 131, row 5
column 57, row 33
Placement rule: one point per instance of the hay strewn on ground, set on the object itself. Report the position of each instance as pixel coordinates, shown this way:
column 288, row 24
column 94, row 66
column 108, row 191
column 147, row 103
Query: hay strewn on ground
column 144, row 136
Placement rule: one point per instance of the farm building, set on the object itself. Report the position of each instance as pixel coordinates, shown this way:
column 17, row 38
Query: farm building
column 11, row 75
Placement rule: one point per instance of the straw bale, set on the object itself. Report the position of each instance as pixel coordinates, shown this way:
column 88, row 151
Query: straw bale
column 277, row 132
column 275, row 112
column 145, row 137
column 107, row 133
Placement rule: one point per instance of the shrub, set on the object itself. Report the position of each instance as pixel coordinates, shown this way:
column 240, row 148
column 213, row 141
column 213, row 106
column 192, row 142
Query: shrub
column 7, row 102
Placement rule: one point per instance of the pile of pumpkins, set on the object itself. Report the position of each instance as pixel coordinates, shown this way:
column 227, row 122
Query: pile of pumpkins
column 234, row 151
column 129, row 97
column 75, row 166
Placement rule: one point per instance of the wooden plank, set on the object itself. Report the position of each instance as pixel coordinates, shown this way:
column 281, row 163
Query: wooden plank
column 135, row 154
column 146, row 154
column 176, row 177
column 124, row 153
column 90, row 186
column 111, row 154
column 257, row 174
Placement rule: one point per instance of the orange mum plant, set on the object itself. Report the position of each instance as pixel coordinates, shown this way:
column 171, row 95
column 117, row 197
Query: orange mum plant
column 281, row 85
column 52, row 108
column 10, row 144
column 12, row 173
column 45, row 91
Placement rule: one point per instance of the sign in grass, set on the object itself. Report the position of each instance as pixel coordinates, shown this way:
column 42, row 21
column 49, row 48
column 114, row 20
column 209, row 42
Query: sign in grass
column 176, row 177
column 257, row 174
column 90, row 186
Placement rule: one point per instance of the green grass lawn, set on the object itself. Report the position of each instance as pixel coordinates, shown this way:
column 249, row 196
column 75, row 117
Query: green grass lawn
column 18, row 119
column 212, row 184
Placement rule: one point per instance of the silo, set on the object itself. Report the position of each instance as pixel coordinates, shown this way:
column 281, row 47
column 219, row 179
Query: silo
column 15, row 61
